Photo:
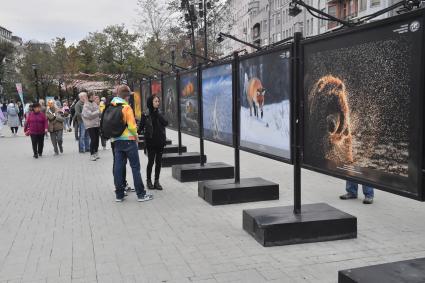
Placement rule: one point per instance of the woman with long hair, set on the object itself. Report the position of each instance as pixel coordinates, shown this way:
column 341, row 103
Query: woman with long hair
column 153, row 125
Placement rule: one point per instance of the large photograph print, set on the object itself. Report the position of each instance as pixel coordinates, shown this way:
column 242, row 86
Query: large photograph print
column 145, row 89
column 156, row 88
column 361, row 97
column 137, row 105
column 217, row 103
column 265, row 91
column 170, row 102
column 189, row 103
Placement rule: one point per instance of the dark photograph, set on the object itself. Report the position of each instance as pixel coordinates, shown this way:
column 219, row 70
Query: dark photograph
column 265, row 91
column 217, row 102
column 360, row 97
column 189, row 103
column 170, row 102
column 145, row 89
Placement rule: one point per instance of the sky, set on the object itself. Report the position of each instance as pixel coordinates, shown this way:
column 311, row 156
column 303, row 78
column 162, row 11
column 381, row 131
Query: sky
column 44, row 20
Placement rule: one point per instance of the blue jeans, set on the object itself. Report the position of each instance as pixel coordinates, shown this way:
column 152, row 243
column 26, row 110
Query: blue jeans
column 352, row 188
column 84, row 139
column 127, row 150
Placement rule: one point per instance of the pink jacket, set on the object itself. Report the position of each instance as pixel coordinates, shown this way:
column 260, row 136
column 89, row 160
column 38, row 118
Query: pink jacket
column 36, row 123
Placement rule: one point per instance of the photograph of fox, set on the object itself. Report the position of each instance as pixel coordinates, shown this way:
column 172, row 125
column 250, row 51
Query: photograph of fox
column 264, row 92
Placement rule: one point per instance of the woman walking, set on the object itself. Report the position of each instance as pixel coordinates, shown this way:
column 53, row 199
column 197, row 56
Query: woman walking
column 91, row 120
column 153, row 125
column 2, row 121
column 55, row 118
column 13, row 118
column 36, row 127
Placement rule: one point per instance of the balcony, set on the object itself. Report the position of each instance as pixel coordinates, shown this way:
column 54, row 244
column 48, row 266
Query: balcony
column 253, row 6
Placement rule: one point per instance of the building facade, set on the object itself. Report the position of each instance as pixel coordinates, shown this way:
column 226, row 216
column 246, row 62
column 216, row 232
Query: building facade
column 265, row 22
column 5, row 35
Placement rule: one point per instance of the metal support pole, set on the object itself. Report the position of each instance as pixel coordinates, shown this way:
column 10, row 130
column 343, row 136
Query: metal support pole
column 205, row 31
column 236, row 110
column 179, row 121
column 36, row 84
column 296, row 91
column 200, row 116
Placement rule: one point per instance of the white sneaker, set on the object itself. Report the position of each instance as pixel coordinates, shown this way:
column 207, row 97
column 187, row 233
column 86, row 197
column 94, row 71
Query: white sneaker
column 97, row 155
column 93, row 157
column 146, row 197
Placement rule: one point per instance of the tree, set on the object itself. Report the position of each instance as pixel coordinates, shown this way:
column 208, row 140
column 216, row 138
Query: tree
column 155, row 18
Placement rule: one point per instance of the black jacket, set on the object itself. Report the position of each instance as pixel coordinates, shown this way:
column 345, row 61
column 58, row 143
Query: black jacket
column 155, row 134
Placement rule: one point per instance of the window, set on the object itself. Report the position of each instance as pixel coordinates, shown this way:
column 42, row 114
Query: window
column 374, row 3
column 308, row 27
column 323, row 22
column 362, row 5
column 311, row 27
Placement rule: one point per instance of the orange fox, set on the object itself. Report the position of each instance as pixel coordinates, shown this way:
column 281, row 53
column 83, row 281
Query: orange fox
column 255, row 95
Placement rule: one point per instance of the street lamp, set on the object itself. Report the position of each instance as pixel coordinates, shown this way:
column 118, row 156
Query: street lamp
column 222, row 35
column 35, row 68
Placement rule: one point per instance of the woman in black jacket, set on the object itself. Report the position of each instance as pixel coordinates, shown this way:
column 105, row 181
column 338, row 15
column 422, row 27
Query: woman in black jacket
column 153, row 126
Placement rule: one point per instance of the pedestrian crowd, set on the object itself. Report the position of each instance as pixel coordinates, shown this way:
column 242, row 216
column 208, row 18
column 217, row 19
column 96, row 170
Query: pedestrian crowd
column 95, row 120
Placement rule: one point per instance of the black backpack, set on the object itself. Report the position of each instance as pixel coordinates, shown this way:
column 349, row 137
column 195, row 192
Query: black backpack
column 112, row 124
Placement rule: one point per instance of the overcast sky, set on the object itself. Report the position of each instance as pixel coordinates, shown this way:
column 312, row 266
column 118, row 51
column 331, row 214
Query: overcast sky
column 44, row 20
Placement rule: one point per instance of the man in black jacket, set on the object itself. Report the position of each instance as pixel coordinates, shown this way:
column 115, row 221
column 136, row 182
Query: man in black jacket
column 153, row 125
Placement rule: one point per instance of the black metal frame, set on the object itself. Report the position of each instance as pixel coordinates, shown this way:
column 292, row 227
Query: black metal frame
column 191, row 71
column 421, row 138
column 217, row 64
column 284, row 47
column 177, row 94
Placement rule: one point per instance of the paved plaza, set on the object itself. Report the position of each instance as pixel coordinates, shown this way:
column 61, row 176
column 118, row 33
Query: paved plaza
column 59, row 223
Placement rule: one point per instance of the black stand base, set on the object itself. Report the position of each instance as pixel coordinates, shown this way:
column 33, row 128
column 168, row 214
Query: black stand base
column 170, row 159
column 196, row 172
column 408, row 271
column 173, row 148
column 278, row 226
column 247, row 190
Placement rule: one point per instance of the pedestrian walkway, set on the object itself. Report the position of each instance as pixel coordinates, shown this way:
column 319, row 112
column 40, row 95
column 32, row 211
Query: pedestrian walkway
column 59, row 223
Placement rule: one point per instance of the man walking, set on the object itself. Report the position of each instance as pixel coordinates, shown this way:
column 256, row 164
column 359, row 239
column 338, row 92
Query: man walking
column 84, row 140
column 352, row 189
column 125, row 147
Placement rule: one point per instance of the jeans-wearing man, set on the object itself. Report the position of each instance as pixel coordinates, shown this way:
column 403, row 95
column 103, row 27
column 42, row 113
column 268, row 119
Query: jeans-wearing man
column 125, row 147
column 352, row 189
column 124, row 150
column 84, row 139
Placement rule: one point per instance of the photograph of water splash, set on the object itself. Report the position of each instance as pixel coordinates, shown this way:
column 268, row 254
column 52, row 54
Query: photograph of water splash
column 217, row 103
column 170, row 102
column 360, row 98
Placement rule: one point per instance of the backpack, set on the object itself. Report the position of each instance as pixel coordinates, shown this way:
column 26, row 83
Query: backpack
column 12, row 111
column 112, row 125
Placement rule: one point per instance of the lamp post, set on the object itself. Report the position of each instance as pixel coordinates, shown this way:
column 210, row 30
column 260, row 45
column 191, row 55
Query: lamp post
column 35, row 68
column 173, row 57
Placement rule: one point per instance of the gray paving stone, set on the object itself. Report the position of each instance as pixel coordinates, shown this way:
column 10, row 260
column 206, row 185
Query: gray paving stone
column 59, row 223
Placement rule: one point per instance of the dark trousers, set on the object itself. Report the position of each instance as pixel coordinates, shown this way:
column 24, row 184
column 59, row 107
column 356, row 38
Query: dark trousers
column 57, row 140
column 94, row 139
column 76, row 133
column 154, row 155
column 103, row 141
column 14, row 130
column 37, row 144
column 124, row 171
column 127, row 150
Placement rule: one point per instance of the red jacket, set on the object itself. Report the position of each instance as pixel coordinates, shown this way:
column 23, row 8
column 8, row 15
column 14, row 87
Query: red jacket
column 36, row 123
